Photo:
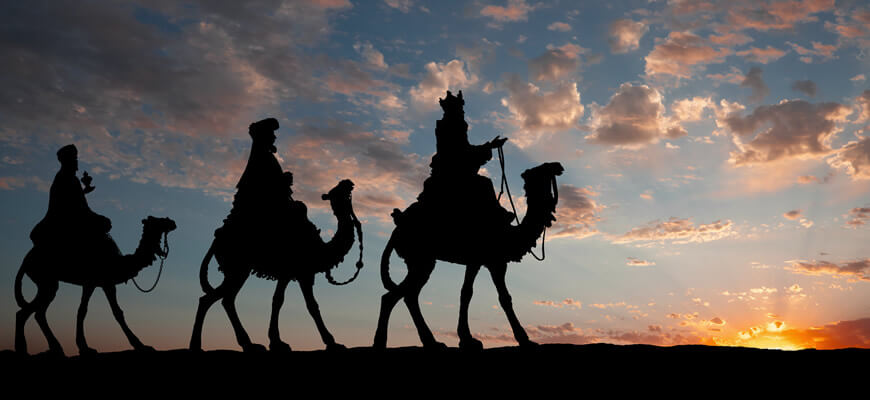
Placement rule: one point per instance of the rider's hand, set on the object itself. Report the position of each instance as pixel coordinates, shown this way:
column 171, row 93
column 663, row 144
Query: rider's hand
column 86, row 179
column 497, row 142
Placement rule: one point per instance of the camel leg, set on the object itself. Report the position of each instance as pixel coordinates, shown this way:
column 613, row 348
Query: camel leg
column 306, row 283
column 21, row 318
column 388, row 302
column 234, row 285
column 205, row 302
column 418, row 275
column 46, row 291
column 84, row 350
column 112, row 296
column 275, row 343
column 498, row 272
column 465, row 339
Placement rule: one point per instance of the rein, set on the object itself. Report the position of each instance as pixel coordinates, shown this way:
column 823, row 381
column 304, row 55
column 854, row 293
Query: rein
column 504, row 185
column 165, row 252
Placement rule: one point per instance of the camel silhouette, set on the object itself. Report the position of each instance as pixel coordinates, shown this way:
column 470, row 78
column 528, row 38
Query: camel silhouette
column 420, row 238
column 292, row 261
column 102, row 266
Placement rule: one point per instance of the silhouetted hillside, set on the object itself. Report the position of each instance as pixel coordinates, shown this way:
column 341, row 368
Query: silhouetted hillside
column 563, row 368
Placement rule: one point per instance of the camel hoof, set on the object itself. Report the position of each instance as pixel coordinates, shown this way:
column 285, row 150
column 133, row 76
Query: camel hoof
column 87, row 352
column 279, row 347
column 145, row 349
column 471, row 344
column 529, row 345
column 54, row 353
column 335, row 347
column 254, row 348
column 435, row 346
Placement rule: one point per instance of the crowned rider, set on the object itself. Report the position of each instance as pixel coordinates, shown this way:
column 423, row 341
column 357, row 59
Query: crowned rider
column 455, row 187
column 69, row 220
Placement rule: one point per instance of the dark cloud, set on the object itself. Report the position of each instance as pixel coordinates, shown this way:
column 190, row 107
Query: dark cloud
column 790, row 129
column 793, row 214
column 553, row 65
column 156, row 91
column 753, row 80
column 807, row 87
column 859, row 269
column 858, row 216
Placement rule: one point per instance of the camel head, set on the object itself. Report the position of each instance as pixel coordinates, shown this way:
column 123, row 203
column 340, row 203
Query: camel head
column 540, row 186
column 153, row 228
column 339, row 197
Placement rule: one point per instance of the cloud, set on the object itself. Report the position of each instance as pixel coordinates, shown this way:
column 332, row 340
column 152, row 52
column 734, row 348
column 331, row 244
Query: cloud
column 862, row 104
column 763, row 56
column 858, row 269
column 680, row 54
column 577, row 213
column 734, row 76
column 854, row 158
column 158, row 99
column 17, row 182
column 401, row 5
column 858, row 216
column 792, row 129
column 730, row 39
column 535, row 111
column 753, row 81
column 677, row 231
column 440, row 78
column 553, row 65
column 625, row 35
column 636, row 262
column 559, row 26
column 858, row 78
column 792, row 215
column 322, row 152
column 807, row 87
column 826, row 51
column 778, row 15
column 634, row 117
column 372, row 56
column 515, row 10
column 569, row 302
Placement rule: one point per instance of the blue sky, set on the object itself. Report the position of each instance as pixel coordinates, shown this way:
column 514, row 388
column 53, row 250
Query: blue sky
column 716, row 154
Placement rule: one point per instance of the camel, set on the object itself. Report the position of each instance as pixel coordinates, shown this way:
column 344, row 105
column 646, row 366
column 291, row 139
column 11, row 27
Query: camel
column 46, row 267
column 421, row 245
column 292, row 263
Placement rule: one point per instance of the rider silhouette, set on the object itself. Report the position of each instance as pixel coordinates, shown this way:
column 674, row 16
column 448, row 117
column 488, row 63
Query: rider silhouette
column 69, row 220
column 264, row 215
column 455, row 189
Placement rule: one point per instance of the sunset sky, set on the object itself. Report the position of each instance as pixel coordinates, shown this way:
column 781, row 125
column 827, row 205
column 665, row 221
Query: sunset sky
column 717, row 155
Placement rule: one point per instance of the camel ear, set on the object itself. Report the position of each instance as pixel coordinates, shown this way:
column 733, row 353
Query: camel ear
column 324, row 196
column 144, row 221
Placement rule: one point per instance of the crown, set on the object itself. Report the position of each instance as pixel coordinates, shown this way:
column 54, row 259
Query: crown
column 451, row 103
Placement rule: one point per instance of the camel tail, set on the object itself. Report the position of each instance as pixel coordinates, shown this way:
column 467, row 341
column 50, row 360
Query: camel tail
column 385, row 266
column 19, row 296
column 203, row 270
